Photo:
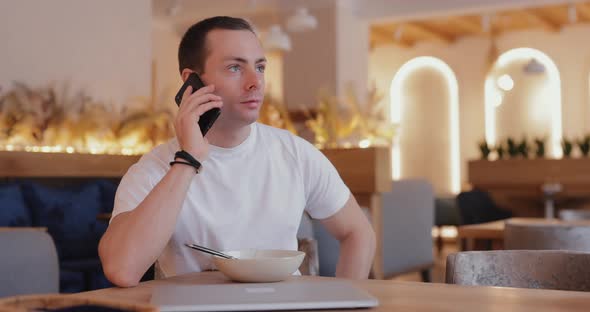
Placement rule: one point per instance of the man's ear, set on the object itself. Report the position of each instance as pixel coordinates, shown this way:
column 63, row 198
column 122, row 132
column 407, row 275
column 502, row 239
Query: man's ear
column 185, row 73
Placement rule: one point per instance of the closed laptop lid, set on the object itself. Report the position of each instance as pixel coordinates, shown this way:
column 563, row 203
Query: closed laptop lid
column 290, row 295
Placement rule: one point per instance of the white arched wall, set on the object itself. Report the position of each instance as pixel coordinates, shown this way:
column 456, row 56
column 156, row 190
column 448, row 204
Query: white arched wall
column 401, row 98
column 532, row 115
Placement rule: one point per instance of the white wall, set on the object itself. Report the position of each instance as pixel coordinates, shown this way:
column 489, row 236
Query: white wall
column 103, row 47
column 527, row 108
column 165, row 41
column 569, row 49
column 424, row 140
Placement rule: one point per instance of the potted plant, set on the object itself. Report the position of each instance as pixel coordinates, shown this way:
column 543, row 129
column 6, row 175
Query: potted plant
column 485, row 149
column 567, row 147
column 500, row 150
column 523, row 148
column 584, row 145
column 540, row 147
column 513, row 151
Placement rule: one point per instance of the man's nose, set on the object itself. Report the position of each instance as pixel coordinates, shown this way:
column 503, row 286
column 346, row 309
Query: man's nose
column 253, row 81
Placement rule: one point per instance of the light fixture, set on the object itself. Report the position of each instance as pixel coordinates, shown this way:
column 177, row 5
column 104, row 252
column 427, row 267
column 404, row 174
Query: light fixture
column 399, row 32
column 572, row 13
column 533, row 67
column 486, row 23
column 505, row 82
column 301, row 21
column 497, row 99
column 276, row 39
column 174, row 8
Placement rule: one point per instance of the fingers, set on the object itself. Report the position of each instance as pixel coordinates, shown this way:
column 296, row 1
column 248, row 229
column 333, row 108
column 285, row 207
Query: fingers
column 204, row 90
column 201, row 109
column 192, row 102
column 187, row 96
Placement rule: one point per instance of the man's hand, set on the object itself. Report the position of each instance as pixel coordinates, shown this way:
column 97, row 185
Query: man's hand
column 192, row 107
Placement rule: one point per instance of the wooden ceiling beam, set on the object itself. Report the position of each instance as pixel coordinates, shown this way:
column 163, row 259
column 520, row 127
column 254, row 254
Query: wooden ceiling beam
column 385, row 36
column 466, row 25
column 428, row 32
column 533, row 16
column 583, row 11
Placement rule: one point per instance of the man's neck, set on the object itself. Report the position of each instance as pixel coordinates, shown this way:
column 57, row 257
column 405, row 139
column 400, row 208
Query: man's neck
column 227, row 137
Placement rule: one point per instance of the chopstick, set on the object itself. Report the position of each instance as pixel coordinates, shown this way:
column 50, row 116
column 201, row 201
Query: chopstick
column 209, row 251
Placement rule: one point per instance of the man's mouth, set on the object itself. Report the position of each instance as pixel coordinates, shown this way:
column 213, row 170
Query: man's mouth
column 251, row 103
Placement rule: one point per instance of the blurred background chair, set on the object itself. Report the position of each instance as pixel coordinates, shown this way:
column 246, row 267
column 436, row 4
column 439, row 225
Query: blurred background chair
column 477, row 206
column 307, row 243
column 408, row 218
column 547, row 269
column 574, row 214
column 547, row 236
column 28, row 262
column 446, row 213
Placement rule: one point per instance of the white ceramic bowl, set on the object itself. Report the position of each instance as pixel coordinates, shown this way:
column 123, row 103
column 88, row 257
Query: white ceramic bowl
column 260, row 266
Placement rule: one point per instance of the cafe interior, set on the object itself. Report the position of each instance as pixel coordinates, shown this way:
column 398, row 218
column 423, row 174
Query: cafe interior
column 462, row 128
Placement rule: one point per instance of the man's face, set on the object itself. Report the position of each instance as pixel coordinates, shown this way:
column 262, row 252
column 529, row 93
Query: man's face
column 235, row 64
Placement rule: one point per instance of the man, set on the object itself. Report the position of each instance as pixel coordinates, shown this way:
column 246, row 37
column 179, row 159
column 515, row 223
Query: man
column 254, row 184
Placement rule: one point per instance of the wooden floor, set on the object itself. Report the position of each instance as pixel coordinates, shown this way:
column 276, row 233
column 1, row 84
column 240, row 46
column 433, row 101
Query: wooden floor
column 438, row 272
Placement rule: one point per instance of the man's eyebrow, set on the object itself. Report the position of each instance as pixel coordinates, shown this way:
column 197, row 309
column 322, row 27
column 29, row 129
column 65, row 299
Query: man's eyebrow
column 243, row 60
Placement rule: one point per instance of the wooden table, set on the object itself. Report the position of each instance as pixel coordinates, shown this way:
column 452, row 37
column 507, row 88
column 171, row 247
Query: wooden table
column 490, row 235
column 482, row 236
column 516, row 184
column 400, row 296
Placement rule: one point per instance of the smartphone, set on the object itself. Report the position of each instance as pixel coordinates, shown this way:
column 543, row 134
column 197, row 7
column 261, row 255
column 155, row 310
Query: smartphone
column 208, row 118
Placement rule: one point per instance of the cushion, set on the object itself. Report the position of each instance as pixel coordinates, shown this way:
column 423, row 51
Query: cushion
column 70, row 217
column 14, row 210
column 108, row 190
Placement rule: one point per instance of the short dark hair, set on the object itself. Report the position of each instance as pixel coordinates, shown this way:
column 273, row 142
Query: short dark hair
column 192, row 51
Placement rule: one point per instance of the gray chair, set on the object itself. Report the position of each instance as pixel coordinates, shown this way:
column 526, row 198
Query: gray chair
column 574, row 214
column 547, row 269
column 28, row 262
column 547, row 236
column 408, row 218
column 307, row 243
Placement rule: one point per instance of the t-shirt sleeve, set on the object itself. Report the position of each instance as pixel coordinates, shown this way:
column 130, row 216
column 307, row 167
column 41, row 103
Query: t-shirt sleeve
column 325, row 192
column 135, row 186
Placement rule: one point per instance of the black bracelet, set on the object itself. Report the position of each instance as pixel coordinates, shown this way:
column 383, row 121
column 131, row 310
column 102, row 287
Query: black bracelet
column 188, row 157
column 185, row 163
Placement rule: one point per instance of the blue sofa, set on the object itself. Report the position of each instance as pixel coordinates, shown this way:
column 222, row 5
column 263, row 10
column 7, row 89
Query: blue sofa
column 69, row 213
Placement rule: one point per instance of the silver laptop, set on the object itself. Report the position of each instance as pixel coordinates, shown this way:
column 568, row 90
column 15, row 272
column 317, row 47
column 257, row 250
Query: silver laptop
column 289, row 295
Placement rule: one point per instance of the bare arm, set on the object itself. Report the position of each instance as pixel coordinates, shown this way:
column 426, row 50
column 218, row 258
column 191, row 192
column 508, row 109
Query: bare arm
column 357, row 240
column 135, row 239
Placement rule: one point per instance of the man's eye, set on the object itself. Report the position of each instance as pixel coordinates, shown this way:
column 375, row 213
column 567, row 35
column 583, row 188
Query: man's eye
column 261, row 68
column 234, row 68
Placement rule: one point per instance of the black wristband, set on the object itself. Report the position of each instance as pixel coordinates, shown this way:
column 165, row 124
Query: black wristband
column 184, row 163
column 188, row 157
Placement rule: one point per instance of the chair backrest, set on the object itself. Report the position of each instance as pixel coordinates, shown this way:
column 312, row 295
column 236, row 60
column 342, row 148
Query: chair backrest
column 408, row 217
column 477, row 206
column 308, row 244
column 574, row 214
column 547, row 269
column 574, row 236
column 28, row 262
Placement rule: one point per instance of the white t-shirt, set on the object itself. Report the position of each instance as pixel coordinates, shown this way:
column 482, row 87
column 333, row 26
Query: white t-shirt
column 249, row 196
